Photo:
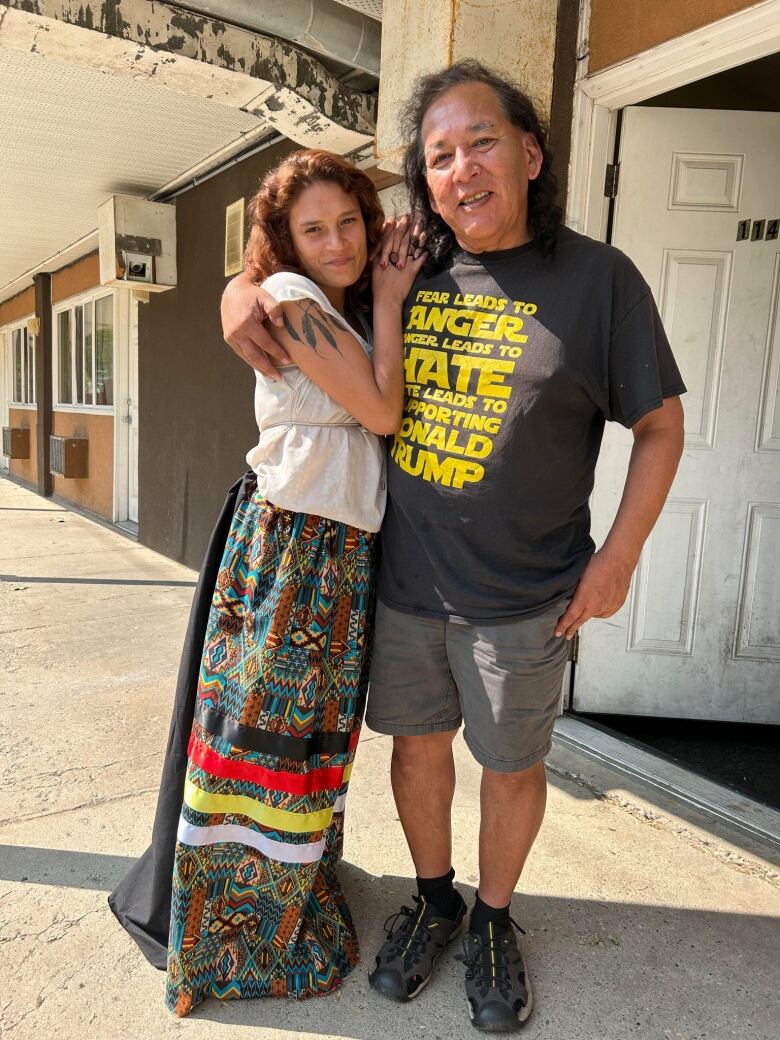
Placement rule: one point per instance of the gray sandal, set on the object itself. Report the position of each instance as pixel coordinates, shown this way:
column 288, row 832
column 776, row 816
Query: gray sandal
column 415, row 940
column 498, row 987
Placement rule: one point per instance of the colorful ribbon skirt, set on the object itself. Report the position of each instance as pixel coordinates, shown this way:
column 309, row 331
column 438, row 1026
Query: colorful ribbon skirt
column 256, row 908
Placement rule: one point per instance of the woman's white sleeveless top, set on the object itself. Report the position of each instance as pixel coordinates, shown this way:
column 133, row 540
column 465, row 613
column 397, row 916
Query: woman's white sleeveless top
column 312, row 455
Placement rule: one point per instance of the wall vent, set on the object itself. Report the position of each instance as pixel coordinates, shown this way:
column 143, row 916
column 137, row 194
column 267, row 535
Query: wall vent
column 68, row 456
column 234, row 238
column 16, row 442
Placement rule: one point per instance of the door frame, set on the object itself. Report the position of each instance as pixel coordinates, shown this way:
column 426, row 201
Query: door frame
column 121, row 386
column 133, row 319
column 722, row 45
column 734, row 40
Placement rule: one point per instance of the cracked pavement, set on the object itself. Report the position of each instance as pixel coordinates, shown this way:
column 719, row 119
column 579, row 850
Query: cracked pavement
column 642, row 918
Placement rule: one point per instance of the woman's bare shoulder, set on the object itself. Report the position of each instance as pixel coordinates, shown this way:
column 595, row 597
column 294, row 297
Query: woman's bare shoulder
column 289, row 285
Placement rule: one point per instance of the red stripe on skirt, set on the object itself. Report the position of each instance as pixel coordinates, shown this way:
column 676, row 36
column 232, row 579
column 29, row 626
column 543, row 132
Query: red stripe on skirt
column 327, row 778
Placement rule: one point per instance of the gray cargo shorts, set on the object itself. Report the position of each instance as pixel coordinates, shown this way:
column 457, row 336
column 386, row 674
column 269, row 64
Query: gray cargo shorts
column 503, row 681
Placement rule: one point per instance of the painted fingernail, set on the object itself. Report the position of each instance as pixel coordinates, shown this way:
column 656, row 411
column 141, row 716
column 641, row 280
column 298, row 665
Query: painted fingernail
column 394, row 258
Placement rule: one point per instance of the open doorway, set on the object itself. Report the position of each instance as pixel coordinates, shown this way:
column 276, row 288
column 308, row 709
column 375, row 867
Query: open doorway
column 693, row 660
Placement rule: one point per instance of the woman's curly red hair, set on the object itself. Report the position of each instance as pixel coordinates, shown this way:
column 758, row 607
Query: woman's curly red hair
column 270, row 247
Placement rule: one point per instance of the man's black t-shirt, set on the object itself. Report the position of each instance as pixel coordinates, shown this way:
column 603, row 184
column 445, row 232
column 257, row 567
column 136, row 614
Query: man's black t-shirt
column 513, row 363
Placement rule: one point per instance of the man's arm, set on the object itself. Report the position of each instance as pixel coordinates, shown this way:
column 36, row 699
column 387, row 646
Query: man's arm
column 244, row 308
column 603, row 587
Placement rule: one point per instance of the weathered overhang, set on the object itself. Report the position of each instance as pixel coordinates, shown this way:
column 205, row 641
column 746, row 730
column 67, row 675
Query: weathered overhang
column 264, row 76
column 323, row 26
column 139, row 98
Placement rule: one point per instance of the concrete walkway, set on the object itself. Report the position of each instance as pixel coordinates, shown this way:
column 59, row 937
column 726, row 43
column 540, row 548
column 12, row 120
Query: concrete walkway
column 641, row 922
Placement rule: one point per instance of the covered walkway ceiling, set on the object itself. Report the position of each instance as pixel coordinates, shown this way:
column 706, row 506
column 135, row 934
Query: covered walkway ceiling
column 133, row 97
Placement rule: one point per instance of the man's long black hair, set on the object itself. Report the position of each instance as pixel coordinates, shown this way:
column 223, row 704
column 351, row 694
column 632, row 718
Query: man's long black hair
column 544, row 215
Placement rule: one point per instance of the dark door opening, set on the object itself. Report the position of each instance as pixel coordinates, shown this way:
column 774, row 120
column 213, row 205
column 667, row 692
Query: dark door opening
column 742, row 757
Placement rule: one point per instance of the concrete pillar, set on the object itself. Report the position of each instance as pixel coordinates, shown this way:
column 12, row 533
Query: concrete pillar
column 514, row 37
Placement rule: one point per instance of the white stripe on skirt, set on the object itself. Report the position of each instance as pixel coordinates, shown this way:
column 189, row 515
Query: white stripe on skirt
column 280, row 851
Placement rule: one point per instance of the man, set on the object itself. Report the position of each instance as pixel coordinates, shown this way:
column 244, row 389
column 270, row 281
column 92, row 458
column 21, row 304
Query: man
column 521, row 339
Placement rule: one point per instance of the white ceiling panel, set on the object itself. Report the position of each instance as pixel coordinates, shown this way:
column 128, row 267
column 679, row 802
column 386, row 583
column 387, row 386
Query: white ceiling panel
column 71, row 136
column 372, row 8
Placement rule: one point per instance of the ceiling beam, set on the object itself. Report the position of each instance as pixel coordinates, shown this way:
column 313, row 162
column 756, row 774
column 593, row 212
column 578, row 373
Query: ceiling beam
column 197, row 56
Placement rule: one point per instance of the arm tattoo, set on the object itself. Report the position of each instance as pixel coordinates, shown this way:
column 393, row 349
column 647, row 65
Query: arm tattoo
column 311, row 325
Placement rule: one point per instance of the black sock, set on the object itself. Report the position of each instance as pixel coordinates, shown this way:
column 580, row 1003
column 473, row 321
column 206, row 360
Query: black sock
column 441, row 893
column 482, row 915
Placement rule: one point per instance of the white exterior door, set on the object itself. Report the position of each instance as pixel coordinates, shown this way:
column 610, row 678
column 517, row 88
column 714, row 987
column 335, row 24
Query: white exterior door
column 699, row 636
column 132, row 415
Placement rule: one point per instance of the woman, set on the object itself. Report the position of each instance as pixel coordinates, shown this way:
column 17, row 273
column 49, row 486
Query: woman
column 256, row 906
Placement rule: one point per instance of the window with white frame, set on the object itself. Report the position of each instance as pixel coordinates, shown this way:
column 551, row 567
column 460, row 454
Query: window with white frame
column 84, row 353
column 22, row 365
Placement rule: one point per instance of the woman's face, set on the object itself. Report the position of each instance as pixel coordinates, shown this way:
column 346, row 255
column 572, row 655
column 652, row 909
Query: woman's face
column 329, row 235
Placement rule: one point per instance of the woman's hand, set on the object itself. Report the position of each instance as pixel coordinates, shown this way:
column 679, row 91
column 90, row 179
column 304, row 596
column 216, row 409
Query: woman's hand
column 390, row 250
column 398, row 261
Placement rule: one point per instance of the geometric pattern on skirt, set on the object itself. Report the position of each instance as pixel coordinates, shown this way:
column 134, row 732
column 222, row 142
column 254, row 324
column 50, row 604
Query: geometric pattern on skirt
column 257, row 909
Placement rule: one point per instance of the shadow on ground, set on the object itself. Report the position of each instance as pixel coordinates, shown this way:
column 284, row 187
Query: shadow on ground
column 639, row 966
column 652, row 971
column 62, row 869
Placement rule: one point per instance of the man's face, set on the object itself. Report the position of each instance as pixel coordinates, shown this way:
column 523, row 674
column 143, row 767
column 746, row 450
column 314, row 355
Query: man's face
column 478, row 166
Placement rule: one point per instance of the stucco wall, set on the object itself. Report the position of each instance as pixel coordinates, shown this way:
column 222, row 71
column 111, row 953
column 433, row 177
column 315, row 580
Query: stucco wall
column 26, row 469
column 516, row 37
column 620, row 30
column 196, row 419
column 96, row 490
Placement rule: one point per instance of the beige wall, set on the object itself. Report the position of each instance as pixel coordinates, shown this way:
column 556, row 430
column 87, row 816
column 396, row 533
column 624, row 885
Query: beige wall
column 26, row 469
column 515, row 37
column 76, row 278
column 96, row 490
column 19, row 306
column 622, row 28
